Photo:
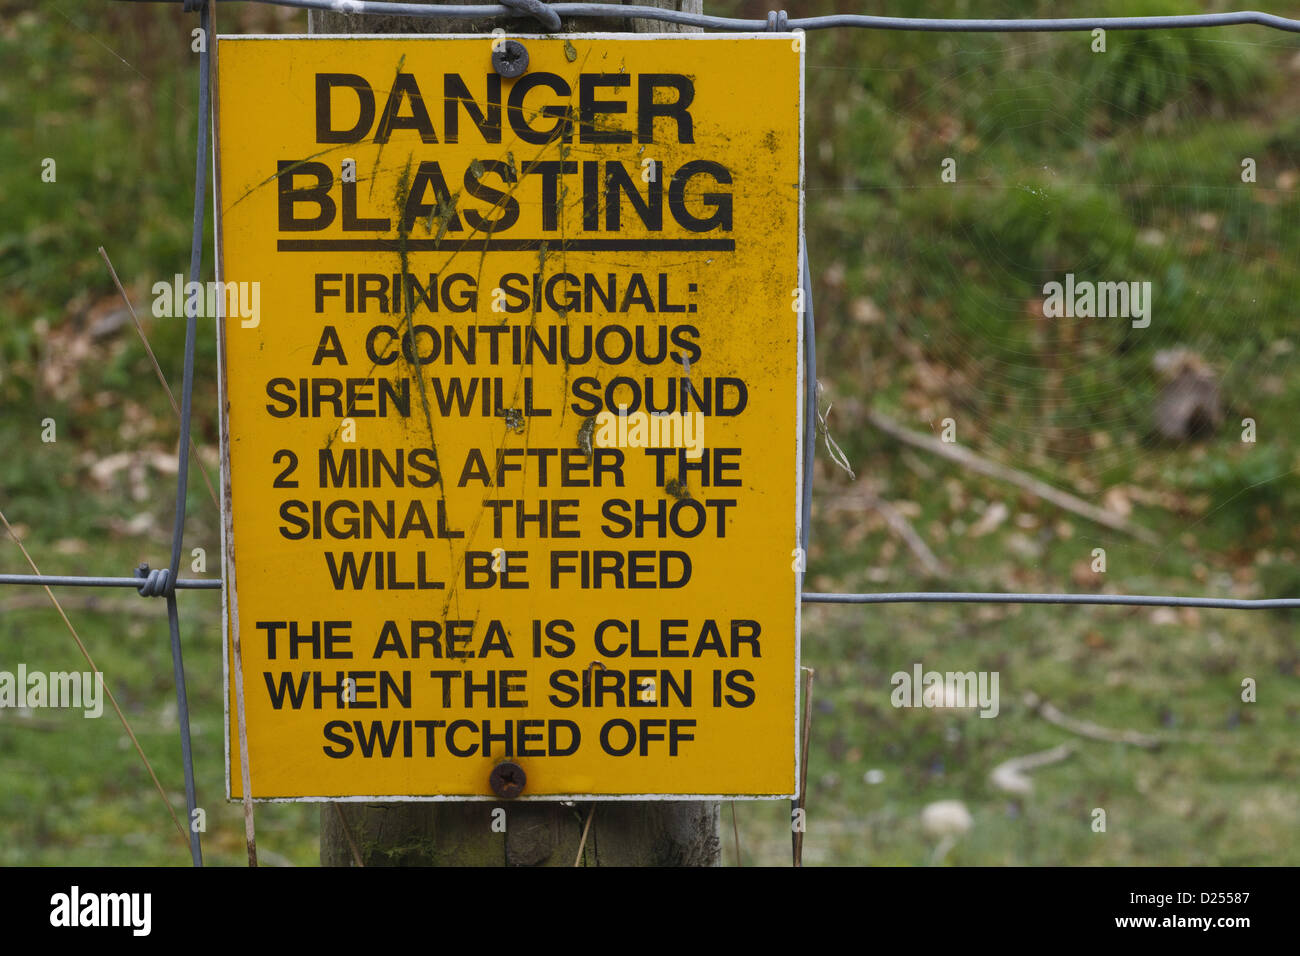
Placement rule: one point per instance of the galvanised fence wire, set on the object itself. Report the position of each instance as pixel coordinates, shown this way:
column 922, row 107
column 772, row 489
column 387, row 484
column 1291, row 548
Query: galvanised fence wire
column 164, row 582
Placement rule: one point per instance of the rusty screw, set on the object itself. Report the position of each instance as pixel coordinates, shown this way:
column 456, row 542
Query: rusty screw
column 510, row 58
column 507, row 780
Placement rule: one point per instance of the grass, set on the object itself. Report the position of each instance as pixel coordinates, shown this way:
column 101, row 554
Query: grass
column 1124, row 164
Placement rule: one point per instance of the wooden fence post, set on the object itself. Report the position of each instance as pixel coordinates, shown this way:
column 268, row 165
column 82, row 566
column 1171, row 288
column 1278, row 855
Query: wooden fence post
column 622, row 832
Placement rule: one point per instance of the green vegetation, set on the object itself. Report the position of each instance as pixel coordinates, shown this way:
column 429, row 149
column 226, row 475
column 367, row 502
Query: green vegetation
column 1123, row 165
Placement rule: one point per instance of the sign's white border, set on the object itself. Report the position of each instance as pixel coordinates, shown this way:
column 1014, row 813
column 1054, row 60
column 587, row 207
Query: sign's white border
column 226, row 517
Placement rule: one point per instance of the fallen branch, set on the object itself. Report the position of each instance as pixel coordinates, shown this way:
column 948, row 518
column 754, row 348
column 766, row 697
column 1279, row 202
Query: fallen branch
column 899, row 524
column 1085, row 728
column 973, row 462
column 1010, row 775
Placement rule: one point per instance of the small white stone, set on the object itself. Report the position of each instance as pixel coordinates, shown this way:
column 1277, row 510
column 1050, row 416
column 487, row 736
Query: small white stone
column 946, row 818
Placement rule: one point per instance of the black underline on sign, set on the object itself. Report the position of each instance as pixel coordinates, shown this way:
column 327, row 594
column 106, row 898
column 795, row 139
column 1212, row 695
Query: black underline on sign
column 507, row 245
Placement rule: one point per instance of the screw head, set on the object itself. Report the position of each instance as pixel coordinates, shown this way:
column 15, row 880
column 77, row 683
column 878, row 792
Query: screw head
column 510, row 59
column 507, row 780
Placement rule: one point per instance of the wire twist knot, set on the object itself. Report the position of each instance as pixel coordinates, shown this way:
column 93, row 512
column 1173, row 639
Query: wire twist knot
column 538, row 10
column 157, row 582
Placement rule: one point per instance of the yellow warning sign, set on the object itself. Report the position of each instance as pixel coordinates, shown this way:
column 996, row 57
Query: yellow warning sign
column 512, row 371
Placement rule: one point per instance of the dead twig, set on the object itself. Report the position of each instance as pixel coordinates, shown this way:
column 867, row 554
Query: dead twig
column 1010, row 775
column 107, row 693
column 158, row 371
column 901, row 527
column 347, row 832
column 582, row 844
column 832, row 446
column 1085, row 728
column 973, row 462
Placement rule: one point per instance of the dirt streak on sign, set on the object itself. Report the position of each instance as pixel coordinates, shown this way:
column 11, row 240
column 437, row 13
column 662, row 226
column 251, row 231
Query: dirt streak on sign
column 514, row 438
